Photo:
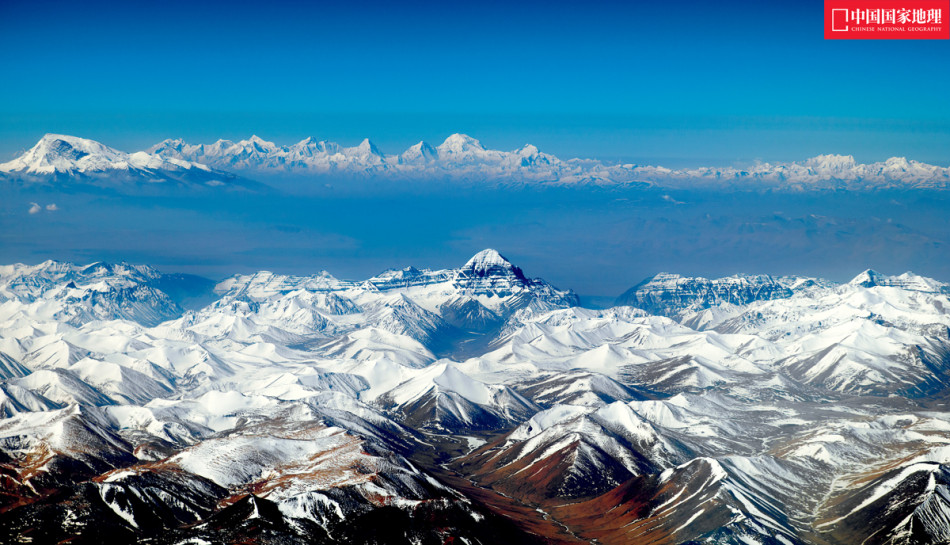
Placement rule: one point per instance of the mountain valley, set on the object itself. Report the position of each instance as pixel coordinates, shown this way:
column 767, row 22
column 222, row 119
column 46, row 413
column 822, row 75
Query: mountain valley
column 476, row 404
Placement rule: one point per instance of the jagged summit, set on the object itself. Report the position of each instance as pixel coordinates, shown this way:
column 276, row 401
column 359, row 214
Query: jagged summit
column 254, row 145
column 528, row 150
column 310, row 146
column 465, row 158
column 832, row 163
column 169, row 144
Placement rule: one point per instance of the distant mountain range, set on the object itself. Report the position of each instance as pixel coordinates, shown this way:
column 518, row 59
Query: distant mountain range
column 472, row 404
column 459, row 157
column 68, row 159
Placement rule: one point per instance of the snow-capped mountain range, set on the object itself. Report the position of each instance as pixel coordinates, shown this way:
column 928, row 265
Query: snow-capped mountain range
column 62, row 158
column 459, row 157
column 472, row 403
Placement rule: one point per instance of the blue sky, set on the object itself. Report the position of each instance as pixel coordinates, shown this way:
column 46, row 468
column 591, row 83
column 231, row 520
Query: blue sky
column 674, row 83
column 671, row 83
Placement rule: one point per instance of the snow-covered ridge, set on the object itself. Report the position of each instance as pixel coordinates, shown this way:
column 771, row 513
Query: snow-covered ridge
column 57, row 153
column 60, row 156
column 413, row 302
column 668, row 294
column 307, row 402
column 461, row 157
column 78, row 294
column 464, row 157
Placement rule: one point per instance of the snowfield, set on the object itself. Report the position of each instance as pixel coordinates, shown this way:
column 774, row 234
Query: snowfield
column 475, row 402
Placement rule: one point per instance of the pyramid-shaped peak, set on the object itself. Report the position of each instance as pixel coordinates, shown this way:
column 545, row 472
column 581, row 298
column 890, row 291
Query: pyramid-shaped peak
column 366, row 147
column 258, row 142
column 367, row 144
column 420, row 151
column 491, row 263
column 486, row 258
column 422, row 145
column 867, row 279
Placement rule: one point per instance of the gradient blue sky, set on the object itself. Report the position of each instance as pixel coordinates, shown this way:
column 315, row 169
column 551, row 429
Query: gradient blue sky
column 676, row 83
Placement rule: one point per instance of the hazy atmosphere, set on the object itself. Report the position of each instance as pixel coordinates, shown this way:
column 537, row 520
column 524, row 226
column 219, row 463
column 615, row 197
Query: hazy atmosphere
column 598, row 242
